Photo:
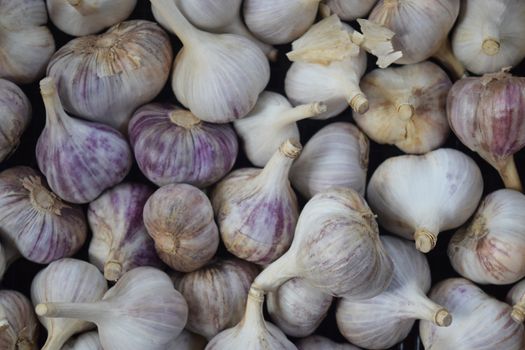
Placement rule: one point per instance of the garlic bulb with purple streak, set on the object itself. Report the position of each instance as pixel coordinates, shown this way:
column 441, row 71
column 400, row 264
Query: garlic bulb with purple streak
column 34, row 220
column 336, row 248
column 480, row 321
column 187, row 341
column 120, row 241
column 516, row 298
column 179, row 218
column 257, row 209
column 171, row 146
column 80, row 159
column 488, row 115
column 104, row 78
column 85, row 341
column 141, row 311
column 350, row 10
column 416, row 197
column 66, row 280
column 316, row 342
column 336, row 156
column 21, row 330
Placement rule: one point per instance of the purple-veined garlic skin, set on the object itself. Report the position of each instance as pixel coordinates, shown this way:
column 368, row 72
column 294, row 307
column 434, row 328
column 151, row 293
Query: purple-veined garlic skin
column 172, row 146
column 317, row 342
column 80, row 159
column 120, row 241
column 85, row 341
column 34, row 220
column 516, row 298
column 488, row 115
column 18, row 324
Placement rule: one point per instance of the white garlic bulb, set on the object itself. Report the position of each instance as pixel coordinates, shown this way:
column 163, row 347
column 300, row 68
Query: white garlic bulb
column 316, row 342
column 85, row 341
column 349, row 10
column 187, row 341
column 27, row 44
column 407, row 107
column 516, row 298
column 416, row 197
column 18, row 323
column 336, row 156
column 271, row 122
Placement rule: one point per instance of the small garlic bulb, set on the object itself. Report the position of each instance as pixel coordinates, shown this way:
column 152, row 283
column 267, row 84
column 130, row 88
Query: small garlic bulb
column 85, row 341
column 20, row 330
column 34, row 220
column 104, row 78
column 171, row 146
column 216, row 294
column 407, row 107
column 488, row 35
column 27, row 44
column 66, row 280
column 385, row 320
column 491, row 248
column 416, row 197
column 271, row 122
column 218, row 77
column 316, row 342
column 480, row 321
column 336, row 156
column 187, row 341
column 336, row 248
column 179, row 218
column 350, row 10
column 15, row 115
column 516, row 298
column 252, row 332
column 80, row 159
column 84, row 17
column 298, row 308
column 257, row 209
column 141, row 311
column 120, row 241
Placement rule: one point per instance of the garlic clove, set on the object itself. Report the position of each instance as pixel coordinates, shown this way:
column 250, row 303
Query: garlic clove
column 349, row 10
column 18, row 324
column 315, row 342
column 516, row 298
column 188, row 341
column 85, row 341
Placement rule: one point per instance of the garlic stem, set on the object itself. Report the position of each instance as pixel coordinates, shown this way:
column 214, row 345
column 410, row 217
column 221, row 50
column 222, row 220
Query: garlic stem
column 112, row 270
column 83, row 6
column 405, row 111
column 278, row 167
column 276, row 274
column 83, row 311
column 253, row 316
column 450, row 61
column 509, row 175
column 358, row 101
column 52, row 103
column 425, row 240
column 56, row 341
column 425, row 309
column 184, row 119
column 490, row 46
column 518, row 310
column 238, row 27
column 302, row 112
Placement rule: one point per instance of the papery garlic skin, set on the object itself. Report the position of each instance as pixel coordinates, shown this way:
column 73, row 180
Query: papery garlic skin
column 105, row 77
column 27, row 44
column 21, row 330
column 407, row 107
column 416, row 197
column 187, row 341
column 172, row 146
column 350, row 10
column 315, row 342
column 85, row 341
column 516, row 298
column 84, row 17
column 336, row 156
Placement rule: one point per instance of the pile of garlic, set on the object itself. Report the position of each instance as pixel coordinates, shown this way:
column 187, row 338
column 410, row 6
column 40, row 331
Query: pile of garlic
column 261, row 174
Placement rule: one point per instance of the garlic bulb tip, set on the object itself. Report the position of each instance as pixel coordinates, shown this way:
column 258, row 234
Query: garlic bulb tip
column 490, row 46
column 112, row 270
column 43, row 310
column 443, row 318
column 291, row 148
column 425, row 240
column 518, row 313
column 359, row 103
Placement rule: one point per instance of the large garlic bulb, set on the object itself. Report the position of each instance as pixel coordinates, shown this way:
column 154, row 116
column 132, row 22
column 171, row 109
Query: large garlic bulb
column 480, row 321
column 187, row 341
column 516, row 298
column 85, row 341
column 416, row 197
column 316, row 342
column 21, row 329
column 26, row 43
column 105, row 77
column 407, row 107
column 350, row 10
column 385, row 320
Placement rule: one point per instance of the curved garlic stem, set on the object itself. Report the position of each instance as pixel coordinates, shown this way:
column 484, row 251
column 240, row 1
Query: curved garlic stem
column 276, row 274
column 278, row 167
column 238, row 27
column 253, row 316
column 425, row 240
column 357, row 101
column 518, row 310
column 509, row 175
column 302, row 112
column 84, row 7
column 426, row 309
column 52, row 103
column 184, row 119
column 84, row 311
column 450, row 61
column 184, row 30
column 57, row 341
column 112, row 269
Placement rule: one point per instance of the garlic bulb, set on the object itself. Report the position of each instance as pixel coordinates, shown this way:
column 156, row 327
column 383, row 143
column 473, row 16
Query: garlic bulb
column 487, row 114
column 21, row 330
column 34, row 220
column 336, row 248
column 66, row 280
column 171, row 145
column 105, row 77
column 15, row 114
column 187, row 341
column 27, row 44
column 350, row 10
column 416, row 197
column 490, row 249
column 252, row 332
column 120, row 241
column 271, row 122
column 141, row 311
column 74, row 174
column 488, row 33
column 385, row 320
column 257, row 209
column 316, row 342
column 298, row 308
column 336, row 156
column 218, row 77
column 407, row 107
column 216, row 294
column 516, row 297
column 179, row 218
column 85, row 341
column 480, row 321
column 84, row 17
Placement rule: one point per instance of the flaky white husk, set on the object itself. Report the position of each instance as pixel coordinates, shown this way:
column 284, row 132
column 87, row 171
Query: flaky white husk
column 298, row 308
column 187, row 341
column 416, row 197
column 480, row 321
column 66, row 280
column 316, row 342
column 516, row 298
column 407, row 107
column 336, row 156
column 88, row 16
column 22, row 326
column 349, row 10
column 387, row 319
column 85, row 341
column 491, row 248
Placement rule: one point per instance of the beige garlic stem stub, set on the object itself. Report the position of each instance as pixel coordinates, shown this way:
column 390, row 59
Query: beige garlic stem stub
column 406, row 111
column 510, row 176
column 184, row 119
column 450, row 61
column 518, row 310
column 443, row 318
column 112, row 270
column 425, row 240
column 291, row 148
column 490, row 46
column 358, row 103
